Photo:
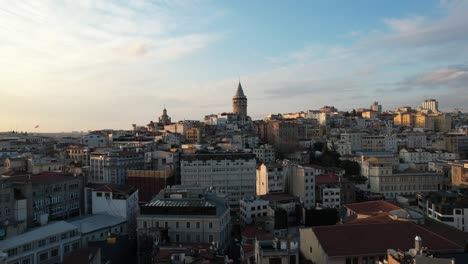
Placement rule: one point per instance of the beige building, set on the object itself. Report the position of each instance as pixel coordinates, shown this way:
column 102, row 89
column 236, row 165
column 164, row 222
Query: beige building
column 366, row 243
column 193, row 135
column 460, row 173
column 271, row 178
column 78, row 154
column 382, row 179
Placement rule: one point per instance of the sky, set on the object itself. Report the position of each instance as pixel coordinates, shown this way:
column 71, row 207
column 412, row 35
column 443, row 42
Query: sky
column 81, row 65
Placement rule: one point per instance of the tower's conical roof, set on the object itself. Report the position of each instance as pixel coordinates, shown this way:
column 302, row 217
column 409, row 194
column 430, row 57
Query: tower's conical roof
column 240, row 92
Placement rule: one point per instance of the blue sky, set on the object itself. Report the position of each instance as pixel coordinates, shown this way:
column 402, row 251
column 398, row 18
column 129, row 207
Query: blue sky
column 78, row 65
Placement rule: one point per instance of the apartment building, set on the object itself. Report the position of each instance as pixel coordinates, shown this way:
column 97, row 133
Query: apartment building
column 202, row 218
column 112, row 166
column 251, row 208
column 271, row 178
column 265, row 153
column 301, row 180
column 232, row 173
column 50, row 195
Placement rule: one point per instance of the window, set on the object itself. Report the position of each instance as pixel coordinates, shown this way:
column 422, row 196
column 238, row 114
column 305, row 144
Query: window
column 64, row 235
column 198, row 238
column 188, row 239
column 42, row 243
column 26, row 247
column 99, row 194
column 66, row 249
column 210, row 238
column 176, row 224
column 210, row 225
column 52, row 239
column 12, row 252
column 177, row 237
column 166, row 224
column 355, row 260
column 26, row 261
column 54, row 253
column 75, row 245
column 43, row 256
column 310, row 249
column 198, row 225
column 348, row 260
column 188, row 224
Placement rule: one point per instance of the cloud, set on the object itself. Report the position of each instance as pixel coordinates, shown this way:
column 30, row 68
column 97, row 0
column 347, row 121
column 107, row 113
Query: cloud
column 450, row 77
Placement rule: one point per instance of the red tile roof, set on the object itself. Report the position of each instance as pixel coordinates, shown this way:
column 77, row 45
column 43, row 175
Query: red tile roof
column 376, row 219
column 326, row 179
column 252, row 232
column 375, row 239
column 371, row 207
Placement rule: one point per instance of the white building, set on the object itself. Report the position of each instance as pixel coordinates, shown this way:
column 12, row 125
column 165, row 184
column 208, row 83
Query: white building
column 409, row 155
column 46, row 244
column 383, row 179
column 115, row 200
column 37, row 165
column 371, row 143
column 230, row 173
column 354, row 138
column 251, row 208
column 265, row 153
column 381, row 143
column 431, row 104
column 376, row 107
column 342, row 147
column 271, row 178
column 97, row 140
column 330, row 196
column 448, row 208
column 112, row 166
column 301, row 180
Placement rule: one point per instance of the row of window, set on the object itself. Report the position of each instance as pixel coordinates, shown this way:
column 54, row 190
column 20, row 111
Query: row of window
column 187, row 225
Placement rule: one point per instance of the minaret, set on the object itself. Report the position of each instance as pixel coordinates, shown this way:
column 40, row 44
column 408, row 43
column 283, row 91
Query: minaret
column 239, row 102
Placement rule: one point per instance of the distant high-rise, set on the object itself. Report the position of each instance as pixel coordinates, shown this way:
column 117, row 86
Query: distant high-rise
column 239, row 102
column 431, row 104
column 376, row 107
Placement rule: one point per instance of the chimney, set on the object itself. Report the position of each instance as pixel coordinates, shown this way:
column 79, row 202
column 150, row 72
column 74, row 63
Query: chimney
column 418, row 244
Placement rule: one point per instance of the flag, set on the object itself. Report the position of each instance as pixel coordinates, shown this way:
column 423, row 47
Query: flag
column 37, row 126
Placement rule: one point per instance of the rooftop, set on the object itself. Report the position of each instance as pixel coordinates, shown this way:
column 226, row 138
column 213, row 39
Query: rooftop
column 279, row 197
column 180, row 203
column 114, row 188
column 43, row 177
column 97, row 222
column 36, row 234
column 340, row 240
column 371, row 207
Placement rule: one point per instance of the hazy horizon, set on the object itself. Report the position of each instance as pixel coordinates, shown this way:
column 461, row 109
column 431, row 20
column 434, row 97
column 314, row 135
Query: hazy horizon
column 86, row 65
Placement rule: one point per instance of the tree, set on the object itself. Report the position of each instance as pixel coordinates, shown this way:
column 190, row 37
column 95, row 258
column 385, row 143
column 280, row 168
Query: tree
column 318, row 146
column 320, row 217
column 352, row 168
